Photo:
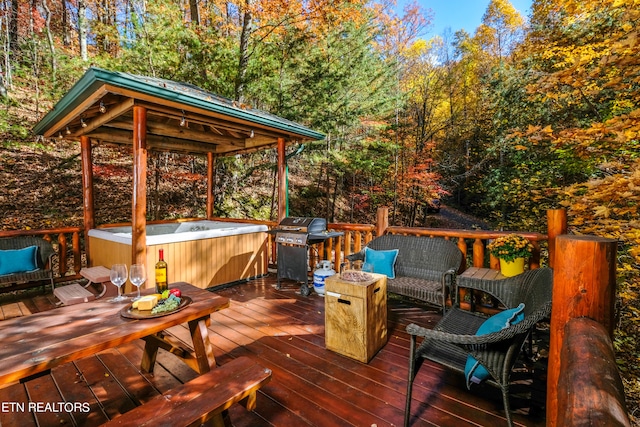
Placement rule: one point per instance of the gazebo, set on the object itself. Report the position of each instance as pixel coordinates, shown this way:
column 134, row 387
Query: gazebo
column 150, row 113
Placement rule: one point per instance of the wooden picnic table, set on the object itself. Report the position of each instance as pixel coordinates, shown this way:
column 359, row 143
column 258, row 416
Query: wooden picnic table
column 31, row 345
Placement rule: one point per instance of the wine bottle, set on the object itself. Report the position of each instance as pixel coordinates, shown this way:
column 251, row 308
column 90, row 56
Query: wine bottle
column 161, row 274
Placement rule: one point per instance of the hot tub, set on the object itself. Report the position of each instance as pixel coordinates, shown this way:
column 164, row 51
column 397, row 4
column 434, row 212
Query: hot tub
column 203, row 253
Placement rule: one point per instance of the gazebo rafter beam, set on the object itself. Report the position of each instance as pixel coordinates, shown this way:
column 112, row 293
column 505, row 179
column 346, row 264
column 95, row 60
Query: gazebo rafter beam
column 76, row 112
column 114, row 111
column 161, row 143
column 159, row 129
column 220, row 124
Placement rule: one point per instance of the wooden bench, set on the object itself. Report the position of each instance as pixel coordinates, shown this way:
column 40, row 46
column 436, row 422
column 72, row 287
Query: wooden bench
column 25, row 279
column 203, row 399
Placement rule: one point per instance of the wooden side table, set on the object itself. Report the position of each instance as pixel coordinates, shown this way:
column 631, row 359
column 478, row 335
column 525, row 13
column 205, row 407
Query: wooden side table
column 475, row 274
column 356, row 316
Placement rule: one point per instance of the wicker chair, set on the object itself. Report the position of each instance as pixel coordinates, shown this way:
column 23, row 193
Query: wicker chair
column 453, row 339
column 425, row 268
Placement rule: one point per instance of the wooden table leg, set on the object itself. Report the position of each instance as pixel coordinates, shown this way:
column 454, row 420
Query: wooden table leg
column 151, row 345
column 200, row 360
column 205, row 359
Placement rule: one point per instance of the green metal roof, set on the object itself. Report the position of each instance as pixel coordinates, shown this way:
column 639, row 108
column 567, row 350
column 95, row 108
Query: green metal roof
column 170, row 104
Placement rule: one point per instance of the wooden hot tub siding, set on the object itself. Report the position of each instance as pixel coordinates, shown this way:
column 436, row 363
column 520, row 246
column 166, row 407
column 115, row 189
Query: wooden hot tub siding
column 203, row 263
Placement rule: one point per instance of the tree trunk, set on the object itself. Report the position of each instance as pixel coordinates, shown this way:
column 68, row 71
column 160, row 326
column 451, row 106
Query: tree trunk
column 244, row 52
column 106, row 16
column 13, row 27
column 66, row 36
column 35, row 59
column 195, row 13
column 52, row 47
column 82, row 29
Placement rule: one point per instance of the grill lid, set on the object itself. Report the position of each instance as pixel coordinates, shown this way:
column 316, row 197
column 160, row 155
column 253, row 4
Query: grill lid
column 303, row 224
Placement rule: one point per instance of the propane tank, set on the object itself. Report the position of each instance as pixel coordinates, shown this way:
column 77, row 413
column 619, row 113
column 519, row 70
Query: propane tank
column 322, row 271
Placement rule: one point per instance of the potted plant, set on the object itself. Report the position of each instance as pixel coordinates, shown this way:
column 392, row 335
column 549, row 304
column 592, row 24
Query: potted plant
column 511, row 250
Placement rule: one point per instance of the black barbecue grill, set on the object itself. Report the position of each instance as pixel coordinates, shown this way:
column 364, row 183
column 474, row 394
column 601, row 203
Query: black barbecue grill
column 294, row 236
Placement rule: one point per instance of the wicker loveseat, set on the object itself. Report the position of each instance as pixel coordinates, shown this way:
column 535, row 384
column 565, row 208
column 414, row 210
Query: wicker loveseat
column 17, row 251
column 425, row 267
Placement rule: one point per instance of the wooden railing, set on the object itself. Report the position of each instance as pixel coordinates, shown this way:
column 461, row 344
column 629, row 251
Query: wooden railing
column 590, row 391
column 472, row 243
column 67, row 244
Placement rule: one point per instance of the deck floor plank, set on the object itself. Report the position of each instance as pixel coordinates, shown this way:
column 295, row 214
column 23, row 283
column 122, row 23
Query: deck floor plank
column 74, row 388
column 12, row 310
column 42, row 391
column 283, row 331
column 105, row 386
column 14, row 415
column 128, row 376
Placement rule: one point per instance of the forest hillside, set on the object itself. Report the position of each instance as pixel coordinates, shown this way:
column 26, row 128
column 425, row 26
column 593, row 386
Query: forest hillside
column 526, row 114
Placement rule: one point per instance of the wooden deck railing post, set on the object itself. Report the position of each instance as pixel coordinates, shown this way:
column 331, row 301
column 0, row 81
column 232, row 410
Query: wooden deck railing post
column 382, row 220
column 210, row 183
column 583, row 286
column 556, row 226
column 87, row 192
column 282, row 181
column 139, row 199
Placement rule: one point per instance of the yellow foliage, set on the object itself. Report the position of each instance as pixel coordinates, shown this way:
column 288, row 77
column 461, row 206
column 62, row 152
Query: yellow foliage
column 601, row 211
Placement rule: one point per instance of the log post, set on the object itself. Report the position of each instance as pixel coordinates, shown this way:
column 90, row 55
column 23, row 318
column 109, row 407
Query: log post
column 210, row 184
column 139, row 201
column 478, row 254
column 282, row 181
column 382, row 220
column 87, row 192
column 584, row 284
column 556, row 226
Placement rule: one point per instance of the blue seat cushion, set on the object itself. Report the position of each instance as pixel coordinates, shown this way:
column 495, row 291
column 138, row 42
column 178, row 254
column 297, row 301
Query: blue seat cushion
column 18, row 260
column 383, row 261
column 474, row 372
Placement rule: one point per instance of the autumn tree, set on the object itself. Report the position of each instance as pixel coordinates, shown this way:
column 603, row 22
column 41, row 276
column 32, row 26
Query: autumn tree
column 400, row 41
column 263, row 19
column 471, row 123
column 334, row 84
column 501, row 29
column 581, row 66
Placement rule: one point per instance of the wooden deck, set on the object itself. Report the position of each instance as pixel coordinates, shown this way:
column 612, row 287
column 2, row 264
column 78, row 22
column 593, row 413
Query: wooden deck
column 311, row 386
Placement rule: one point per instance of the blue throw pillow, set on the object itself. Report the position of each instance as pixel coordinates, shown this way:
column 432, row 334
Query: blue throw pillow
column 18, row 260
column 474, row 372
column 383, row 261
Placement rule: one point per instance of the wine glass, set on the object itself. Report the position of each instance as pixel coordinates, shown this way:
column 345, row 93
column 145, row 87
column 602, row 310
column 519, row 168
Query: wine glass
column 137, row 275
column 118, row 277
